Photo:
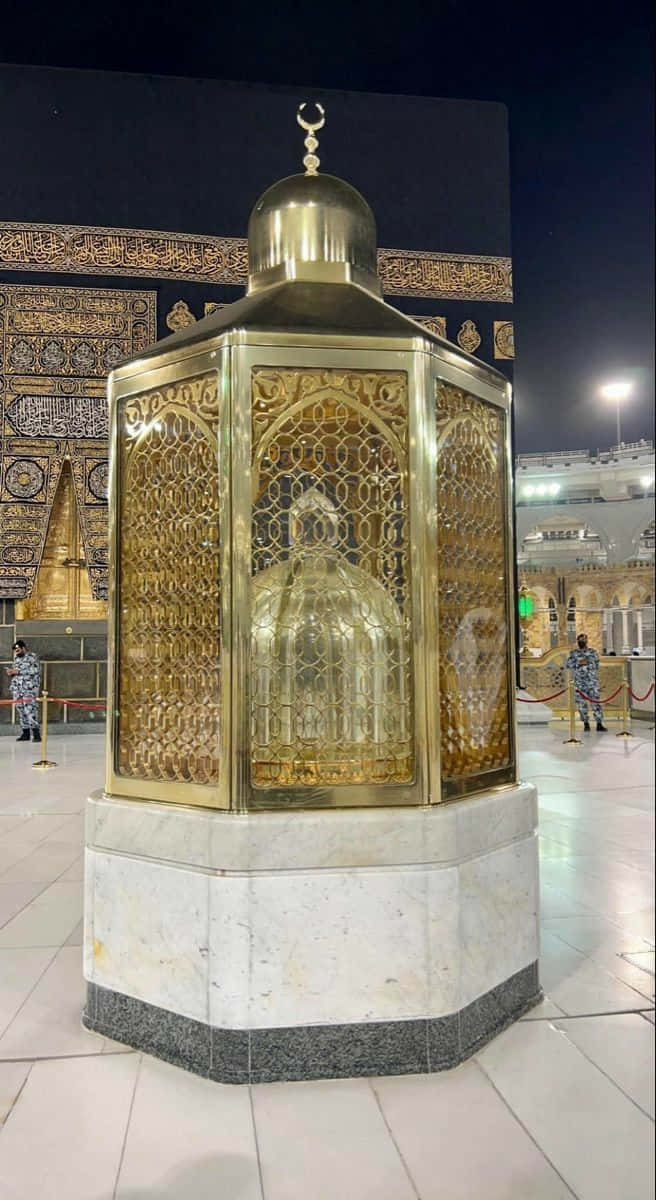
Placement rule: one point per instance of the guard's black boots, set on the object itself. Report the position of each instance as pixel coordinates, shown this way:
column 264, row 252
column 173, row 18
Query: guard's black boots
column 36, row 735
column 586, row 726
column 25, row 736
column 601, row 728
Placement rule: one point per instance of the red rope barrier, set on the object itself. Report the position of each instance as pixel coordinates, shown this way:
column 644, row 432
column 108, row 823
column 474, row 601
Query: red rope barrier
column 598, row 699
column 544, row 699
column 646, row 695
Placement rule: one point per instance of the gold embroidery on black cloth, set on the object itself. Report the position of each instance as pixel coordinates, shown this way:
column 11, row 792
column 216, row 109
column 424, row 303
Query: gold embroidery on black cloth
column 180, row 316
column 469, row 339
column 81, row 249
column 432, row 324
column 504, row 339
column 57, row 346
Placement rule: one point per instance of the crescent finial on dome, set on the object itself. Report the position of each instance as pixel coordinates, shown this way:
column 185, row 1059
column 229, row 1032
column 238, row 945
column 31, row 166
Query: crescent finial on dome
column 310, row 161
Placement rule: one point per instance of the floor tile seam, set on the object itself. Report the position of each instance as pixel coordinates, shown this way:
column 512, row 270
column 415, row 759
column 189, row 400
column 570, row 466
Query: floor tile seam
column 600, row 967
column 620, row 954
column 57, row 949
column 40, row 841
column 605, row 1073
column 605, row 1012
column 515, row 1116
column 578, row 870
column 36, row 983
column 599, row 916
column 256, row 1140
column 16, row 1098
column 66, row 1057
column 393, row 1140
column 119, row 1168
column 45, row 887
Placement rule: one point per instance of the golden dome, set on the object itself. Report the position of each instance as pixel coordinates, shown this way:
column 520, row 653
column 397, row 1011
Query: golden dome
column 312, row 227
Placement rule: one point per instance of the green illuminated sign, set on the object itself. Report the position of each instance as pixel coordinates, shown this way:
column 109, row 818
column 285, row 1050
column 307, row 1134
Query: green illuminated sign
column 525, row 606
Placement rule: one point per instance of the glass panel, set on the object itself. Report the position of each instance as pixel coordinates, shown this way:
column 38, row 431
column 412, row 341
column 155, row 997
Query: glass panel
column 475, row 667
column 331, row 669
column 169, row 588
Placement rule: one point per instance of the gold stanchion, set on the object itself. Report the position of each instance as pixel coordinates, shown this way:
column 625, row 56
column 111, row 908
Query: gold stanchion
column 626, row 705
column 572, row 739
column 44, row 764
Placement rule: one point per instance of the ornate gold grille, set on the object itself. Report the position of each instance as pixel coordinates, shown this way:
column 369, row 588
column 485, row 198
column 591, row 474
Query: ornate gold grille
column 473, row 643
column 331, row 667
column 169, row 586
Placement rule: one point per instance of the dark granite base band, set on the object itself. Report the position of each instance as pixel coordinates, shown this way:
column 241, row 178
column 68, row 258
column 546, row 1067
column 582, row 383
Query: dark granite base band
column 312, row 1051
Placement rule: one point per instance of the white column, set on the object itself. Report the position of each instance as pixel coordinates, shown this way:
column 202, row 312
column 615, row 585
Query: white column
column 606, row 633
column 626, row 649
column 638, row 617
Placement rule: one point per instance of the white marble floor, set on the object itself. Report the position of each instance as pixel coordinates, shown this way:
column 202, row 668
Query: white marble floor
column 560, row 1105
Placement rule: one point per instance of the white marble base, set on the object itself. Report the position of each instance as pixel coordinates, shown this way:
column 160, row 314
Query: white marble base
column 303, row 918
column 532, row 714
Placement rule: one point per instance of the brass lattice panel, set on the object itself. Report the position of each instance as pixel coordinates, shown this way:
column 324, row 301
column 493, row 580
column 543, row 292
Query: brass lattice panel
column 331, row 665
column 169, row 585
column 474, row 660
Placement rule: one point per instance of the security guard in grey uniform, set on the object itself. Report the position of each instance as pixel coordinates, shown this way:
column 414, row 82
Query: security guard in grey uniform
column 585, row 665
column 25, row 681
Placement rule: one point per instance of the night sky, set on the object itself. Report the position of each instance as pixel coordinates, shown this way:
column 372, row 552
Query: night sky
column 578, row 83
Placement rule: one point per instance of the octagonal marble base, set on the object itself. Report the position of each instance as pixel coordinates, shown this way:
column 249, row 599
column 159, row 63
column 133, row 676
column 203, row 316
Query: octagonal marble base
column 312, row 944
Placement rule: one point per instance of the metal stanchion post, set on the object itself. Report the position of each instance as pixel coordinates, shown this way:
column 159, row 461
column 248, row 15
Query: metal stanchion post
column 572, row 739
column 44, row 764
column 626, row 705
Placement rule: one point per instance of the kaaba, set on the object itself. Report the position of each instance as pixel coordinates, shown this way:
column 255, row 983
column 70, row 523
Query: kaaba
column 124, row 202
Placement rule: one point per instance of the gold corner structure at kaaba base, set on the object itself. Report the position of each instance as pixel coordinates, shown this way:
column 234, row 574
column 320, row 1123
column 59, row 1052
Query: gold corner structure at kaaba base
column 311, row 574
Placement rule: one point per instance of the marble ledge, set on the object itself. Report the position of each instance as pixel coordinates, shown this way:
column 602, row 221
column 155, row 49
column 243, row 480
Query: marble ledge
column 311, row 839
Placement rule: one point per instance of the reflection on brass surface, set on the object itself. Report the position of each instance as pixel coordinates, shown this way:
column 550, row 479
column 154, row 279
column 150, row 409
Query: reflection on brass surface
column 468, row 337
column 312, row 227
column 180, row 316
column 504, row 339
column 331, row 658
column 169, row 591
column 62, row 588
column 85, row 249
column 474, row 660
column 57, row 345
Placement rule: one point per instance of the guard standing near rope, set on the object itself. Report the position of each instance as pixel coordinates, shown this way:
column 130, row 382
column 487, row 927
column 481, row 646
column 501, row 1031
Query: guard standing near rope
column 25, row 681
column 585, row 665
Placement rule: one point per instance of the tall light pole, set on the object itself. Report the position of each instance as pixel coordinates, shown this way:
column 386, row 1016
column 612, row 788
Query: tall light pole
column 617, row 391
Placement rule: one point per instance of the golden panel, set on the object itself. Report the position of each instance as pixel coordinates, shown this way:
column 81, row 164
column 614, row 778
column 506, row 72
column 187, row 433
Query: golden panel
column 504, row 339
column 475, row 711
column 84, row 249
column 62, row 588
column 169, row 620
column 57, row 345
column 331, row 659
